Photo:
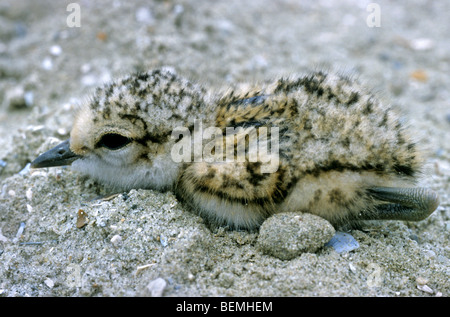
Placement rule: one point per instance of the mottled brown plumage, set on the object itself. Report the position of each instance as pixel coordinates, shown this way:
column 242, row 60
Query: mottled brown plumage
column 343, row 154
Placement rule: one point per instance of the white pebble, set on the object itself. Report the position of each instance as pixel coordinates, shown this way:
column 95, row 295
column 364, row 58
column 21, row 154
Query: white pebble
column 425, row 288
column 422, row 44
column 49, row 283
column 163, row 241
column 61, row 131
column 20, row 231
column 224, row 26
column 144, row 15
column 2, row 237
column 178, row 9
column 29, row 194
column 55, row 50
column 47, row 63
column 25, row 170
column 421, row 280
column 11, row 193
column 156, row 287
column 37, row 173
column 116, row 240
column 85, row 68
column 35, row 128
column 28, row 96
column 29, row 208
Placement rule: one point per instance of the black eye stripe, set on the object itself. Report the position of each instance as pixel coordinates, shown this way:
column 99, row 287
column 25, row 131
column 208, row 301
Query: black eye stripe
column 113, row 141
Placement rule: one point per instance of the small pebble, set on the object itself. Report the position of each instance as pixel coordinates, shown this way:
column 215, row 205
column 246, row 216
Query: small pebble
column 191, row 277
column 422, row 44
column 85, row 68
column 49, row 283
column 144, row 16
column 287, row 235
column 156, row 287
column 2, row 237
column 421, row 280
column 419, row 75
column 429, row 254
column 414, row 237
column 116, row 240
column 102, row 36
column 55, row 50
column 82, row 219
column 226, row 279
column 343, row 242
column 225, row 27
column 425, row 288
column 178, row 9
column 61, row 131
column 164, row 241
column 29, row 98
column 18, row 98
column 29, row 194
column 25, row 170
column 35, row 128
column 19, row 232
column 47, row 63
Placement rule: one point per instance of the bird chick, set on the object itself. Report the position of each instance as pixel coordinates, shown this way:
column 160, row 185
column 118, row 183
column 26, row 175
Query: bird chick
column 332, row 148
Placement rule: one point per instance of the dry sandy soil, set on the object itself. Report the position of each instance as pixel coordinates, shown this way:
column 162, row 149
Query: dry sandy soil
column 144, row 243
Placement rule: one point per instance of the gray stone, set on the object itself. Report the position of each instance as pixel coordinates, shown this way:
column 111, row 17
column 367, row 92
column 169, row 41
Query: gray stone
column 287, row 235
column 156, row 287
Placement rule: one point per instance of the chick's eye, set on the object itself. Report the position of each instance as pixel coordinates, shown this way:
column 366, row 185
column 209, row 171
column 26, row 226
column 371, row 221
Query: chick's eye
column 113, row 141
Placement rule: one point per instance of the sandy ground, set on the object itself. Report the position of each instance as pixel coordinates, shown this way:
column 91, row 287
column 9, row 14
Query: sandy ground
column 144, row 243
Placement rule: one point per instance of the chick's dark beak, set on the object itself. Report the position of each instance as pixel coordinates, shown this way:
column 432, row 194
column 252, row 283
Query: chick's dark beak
column 58, row 156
